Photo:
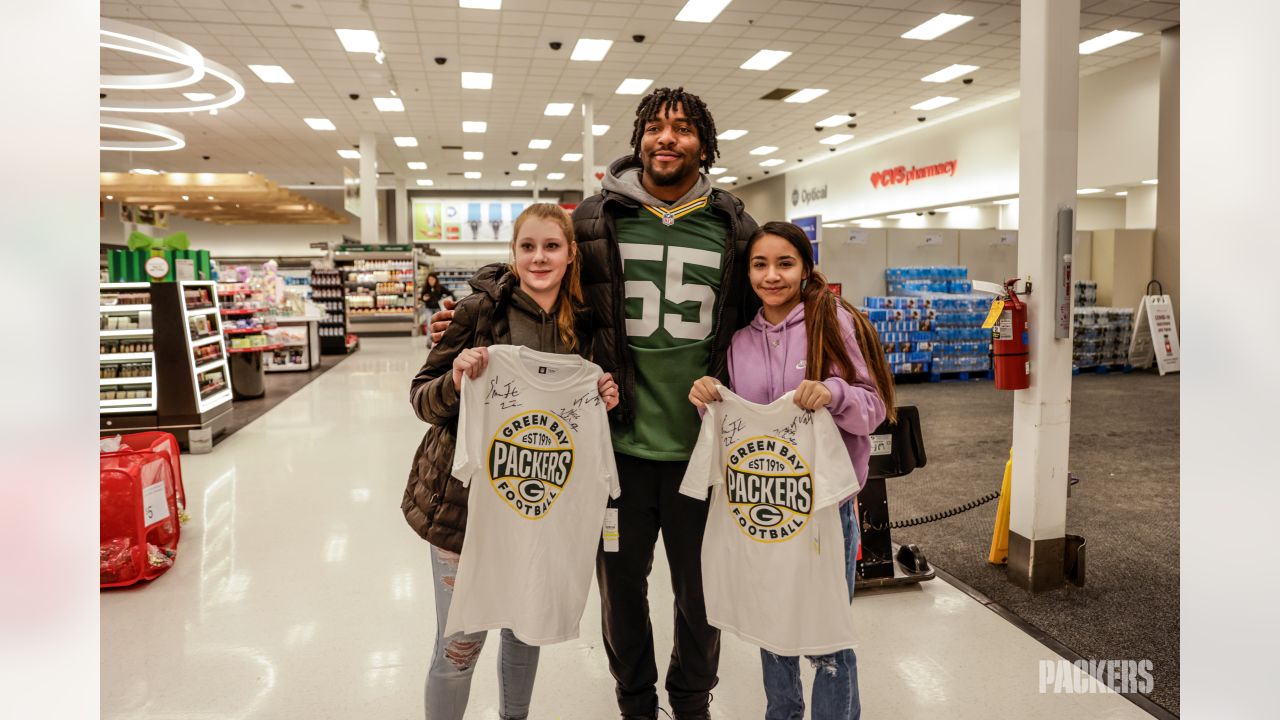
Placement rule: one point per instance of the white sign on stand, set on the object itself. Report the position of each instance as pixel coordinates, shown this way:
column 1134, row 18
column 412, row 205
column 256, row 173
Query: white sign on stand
column 1155, row 335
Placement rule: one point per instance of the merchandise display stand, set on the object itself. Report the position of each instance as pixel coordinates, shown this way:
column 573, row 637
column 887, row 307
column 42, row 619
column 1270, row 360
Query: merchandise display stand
column 380, row 288
column 327, row 292
column 191, row 359
column 246, row 329
column 126, row 358
column 299, row 339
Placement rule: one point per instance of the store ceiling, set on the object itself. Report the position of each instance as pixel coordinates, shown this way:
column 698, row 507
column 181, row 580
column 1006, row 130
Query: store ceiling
column 853, row 49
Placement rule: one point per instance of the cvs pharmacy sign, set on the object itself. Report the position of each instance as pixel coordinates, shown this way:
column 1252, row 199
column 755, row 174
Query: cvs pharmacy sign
column 903, row 175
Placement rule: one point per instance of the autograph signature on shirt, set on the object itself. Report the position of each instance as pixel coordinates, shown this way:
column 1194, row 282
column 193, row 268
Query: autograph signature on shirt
column 729, row 430
column 505, row 392
column 571, row 415
column 789, row 432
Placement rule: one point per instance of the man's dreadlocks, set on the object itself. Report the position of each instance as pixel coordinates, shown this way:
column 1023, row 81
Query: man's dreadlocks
column 664, row 100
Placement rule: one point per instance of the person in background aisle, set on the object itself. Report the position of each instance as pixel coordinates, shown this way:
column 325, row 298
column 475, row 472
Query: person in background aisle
column 433, row 292
column 806, row 338
column 662, row 253
column 536, row 302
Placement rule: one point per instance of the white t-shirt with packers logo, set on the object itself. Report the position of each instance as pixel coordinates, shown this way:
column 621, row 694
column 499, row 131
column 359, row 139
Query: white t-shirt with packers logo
column 773, row 569
column 533, row 447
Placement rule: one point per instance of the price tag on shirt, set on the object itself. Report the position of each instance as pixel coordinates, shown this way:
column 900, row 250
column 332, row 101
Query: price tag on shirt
column 610, row 533
column 155, row 504
column 997, row 307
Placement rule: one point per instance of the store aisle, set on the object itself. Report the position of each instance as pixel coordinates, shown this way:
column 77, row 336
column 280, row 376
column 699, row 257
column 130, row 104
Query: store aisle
column 300, row 592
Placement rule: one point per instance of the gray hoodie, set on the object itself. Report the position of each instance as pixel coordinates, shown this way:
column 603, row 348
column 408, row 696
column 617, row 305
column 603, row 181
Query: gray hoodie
column 623, row 178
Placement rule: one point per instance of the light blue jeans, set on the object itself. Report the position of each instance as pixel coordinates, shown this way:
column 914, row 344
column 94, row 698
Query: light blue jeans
column 454, row 659
column 835, row 682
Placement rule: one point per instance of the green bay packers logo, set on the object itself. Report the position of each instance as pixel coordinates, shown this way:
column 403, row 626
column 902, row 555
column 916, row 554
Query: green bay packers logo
column 530, row 461
column 770, row 488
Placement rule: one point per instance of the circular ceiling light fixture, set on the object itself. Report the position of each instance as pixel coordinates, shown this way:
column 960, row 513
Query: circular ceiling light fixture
column 168, row 138
column 126, row 37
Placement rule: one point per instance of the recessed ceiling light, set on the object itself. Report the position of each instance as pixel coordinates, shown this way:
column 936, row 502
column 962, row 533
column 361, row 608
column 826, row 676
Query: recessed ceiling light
column 765, row 60
column 902, row 216
column 955, row 208
column 599, row 130
column 717, row 170
column 391, row 104
column 539, row 144
column 210, row 197
column 934, row 103
column 474, row 126
column 426, row 183
column 728, row 179
column 939, row 25
column 519, row 183
column 1153, row 181
column 633, row 86
column 701, row 11
column 480, row 4
column 186, row 198
column 555, row 176
column 319, row 123
column 406, row 141
column 199, row 97
column 836, row 139
column 417, row 165
column 271, row 73
column 558, row 109
column 567, row 157
column 1111, row 39
column 764, row 150
column 358, row 41
column 1088, row 191
column 111, row 197
column 144, row 171
column 947, row 74
column 771, row 162
column 1010, row 201
column 527, row 167
column 805, row 95
column 731, row 134
column 472, row 155
column 834, row 120
column 477, row 81
column 870, row 223
column 1122, row 193
column 590, row 50
column 350, row 154
column 471, row 175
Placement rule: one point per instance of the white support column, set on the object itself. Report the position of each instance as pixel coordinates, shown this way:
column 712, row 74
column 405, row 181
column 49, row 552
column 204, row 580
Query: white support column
column 1050, row 82
column 588, row 146
column 404, row 215
column 368, row 188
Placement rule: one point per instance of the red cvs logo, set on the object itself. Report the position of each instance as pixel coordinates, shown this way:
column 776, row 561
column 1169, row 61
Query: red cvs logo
column 902, row 175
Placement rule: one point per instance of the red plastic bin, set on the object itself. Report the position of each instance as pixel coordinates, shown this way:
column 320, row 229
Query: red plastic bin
column 142, row 502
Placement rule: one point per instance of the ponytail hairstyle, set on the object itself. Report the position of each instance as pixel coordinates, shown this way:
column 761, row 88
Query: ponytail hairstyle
column 826, row 350
column 570, row 295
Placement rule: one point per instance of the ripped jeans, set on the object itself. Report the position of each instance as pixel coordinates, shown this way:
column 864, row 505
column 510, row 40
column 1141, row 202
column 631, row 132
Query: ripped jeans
column 454, row 660
column 835, row 682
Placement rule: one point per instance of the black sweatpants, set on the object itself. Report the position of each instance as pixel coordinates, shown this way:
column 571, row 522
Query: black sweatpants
column 650, row 502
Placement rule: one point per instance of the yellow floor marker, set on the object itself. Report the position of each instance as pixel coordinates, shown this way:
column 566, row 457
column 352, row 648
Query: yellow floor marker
column 999, row 554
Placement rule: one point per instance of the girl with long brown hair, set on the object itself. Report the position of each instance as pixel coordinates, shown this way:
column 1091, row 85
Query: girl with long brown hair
column 808, row 340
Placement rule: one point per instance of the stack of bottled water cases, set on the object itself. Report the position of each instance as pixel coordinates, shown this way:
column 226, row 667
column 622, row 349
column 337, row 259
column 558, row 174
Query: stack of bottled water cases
column 1100, row 335
column 928, row 329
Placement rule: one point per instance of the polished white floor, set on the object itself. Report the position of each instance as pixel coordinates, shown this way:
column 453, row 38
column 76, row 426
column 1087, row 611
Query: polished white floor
column 300, row 592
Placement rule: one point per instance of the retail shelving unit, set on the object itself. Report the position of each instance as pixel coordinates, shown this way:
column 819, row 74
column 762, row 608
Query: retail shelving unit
column 126, row 357
column 455, row 278
column 327, row 292
column 247, row 340
column 191, row 358
column 381, row 290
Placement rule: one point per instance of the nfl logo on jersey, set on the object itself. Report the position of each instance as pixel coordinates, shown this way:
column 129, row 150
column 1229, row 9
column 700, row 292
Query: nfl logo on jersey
column 668, row 219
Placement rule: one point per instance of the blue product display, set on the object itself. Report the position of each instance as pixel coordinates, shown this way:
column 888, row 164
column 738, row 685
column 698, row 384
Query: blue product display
column 931, row 321
column 1100, row 335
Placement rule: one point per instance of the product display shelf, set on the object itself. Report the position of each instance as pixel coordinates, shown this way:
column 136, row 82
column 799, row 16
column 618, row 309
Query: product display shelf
column 380, row 290
column 327, row 292
column 299, row 344
column 246, row 329
column 126, row 357
column 191, row 359
column 456, row 279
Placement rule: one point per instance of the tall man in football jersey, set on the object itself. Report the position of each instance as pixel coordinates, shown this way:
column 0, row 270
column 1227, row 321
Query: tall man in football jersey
column 664, row 258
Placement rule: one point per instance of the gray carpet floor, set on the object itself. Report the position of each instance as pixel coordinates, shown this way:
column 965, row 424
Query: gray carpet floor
column 1124, row 447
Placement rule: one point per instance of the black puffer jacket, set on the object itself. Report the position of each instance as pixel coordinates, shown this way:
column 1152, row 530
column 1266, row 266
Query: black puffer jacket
column 497, row 313
column 602, row 286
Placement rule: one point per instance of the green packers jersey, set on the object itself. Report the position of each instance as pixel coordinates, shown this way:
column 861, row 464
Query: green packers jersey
column 671, row 264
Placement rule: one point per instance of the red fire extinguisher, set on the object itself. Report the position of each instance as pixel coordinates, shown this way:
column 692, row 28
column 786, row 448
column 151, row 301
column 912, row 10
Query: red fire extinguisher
column 1009, row 342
